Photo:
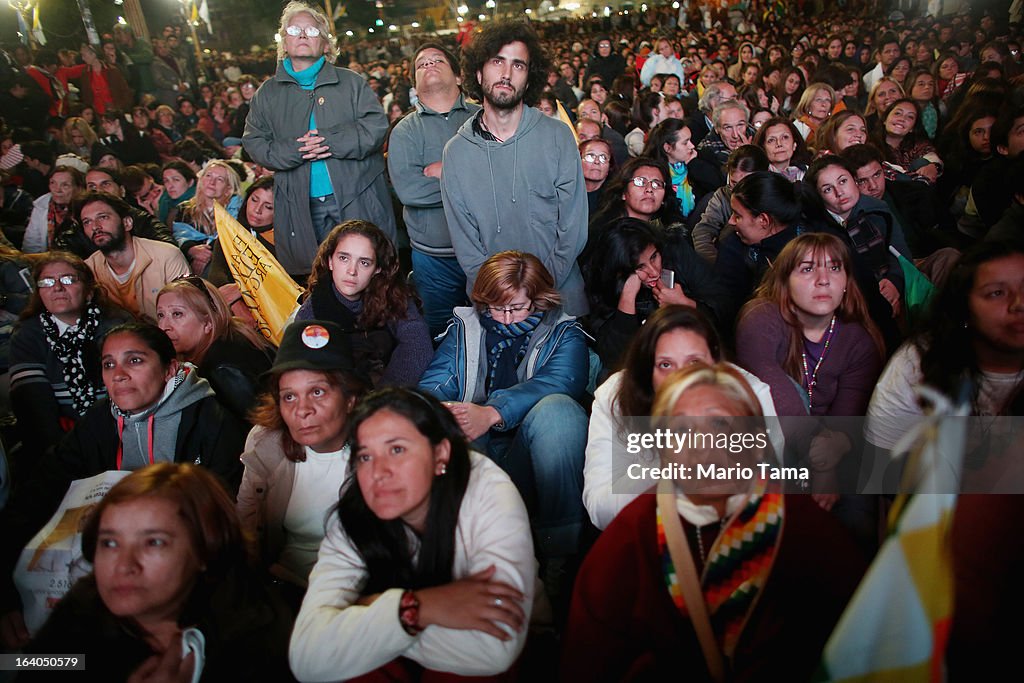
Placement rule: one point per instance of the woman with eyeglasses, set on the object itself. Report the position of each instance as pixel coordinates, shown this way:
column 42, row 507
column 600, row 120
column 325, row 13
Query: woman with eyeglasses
column 640, row 189
column 598, row 163
column 54, row 373
column 634, row 268
column 356, row 283
column 511, row 370
column 229, row 354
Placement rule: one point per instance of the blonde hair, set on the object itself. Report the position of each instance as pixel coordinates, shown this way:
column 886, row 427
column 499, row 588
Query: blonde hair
column 804, row 104
column 319, row 18
column 79, row 124
column 870, row 108
column 195, row 209
column 207, row 303
column 722, row 376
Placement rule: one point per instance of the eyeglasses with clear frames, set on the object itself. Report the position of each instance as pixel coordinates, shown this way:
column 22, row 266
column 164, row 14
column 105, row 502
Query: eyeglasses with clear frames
column 594, row 158
column 296, row 31
column 655, row 184
column 509, row 310
column 66, row 280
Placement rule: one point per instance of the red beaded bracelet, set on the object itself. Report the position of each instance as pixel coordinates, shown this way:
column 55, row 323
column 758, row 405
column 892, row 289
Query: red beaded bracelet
column 409, row 613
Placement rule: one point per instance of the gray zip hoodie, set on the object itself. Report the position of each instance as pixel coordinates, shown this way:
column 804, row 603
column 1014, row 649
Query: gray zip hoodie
column 526, row 193
column 162, row 419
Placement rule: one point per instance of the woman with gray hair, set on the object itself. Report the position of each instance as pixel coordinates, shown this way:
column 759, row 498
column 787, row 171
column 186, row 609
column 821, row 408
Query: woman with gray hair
column 320, row 129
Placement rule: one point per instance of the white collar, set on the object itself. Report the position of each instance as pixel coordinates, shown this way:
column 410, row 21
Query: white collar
column 702, row 515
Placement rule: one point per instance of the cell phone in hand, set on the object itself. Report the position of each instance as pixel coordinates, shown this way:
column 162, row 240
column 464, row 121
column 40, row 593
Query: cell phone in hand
column 668, row 278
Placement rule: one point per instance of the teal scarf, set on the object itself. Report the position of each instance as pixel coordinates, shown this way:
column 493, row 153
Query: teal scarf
column 681, row 185
column 319, row 179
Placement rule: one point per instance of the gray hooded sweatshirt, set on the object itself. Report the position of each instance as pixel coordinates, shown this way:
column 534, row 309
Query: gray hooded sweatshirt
column 162, row 419
column 526, row 193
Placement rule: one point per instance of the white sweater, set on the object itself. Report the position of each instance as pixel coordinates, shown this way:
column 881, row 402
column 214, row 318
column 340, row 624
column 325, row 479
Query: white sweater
column 336, row 640
column 601, row 472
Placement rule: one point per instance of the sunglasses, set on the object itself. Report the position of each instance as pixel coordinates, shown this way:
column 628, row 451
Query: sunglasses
column 198, row 283
column 66, row 280
column 296, row 31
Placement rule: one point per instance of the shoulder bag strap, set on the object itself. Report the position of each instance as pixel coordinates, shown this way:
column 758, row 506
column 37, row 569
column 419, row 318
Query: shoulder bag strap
column 686, row 574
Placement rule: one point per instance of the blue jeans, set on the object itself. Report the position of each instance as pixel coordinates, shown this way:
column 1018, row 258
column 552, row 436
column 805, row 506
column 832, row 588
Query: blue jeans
column 325, row 214
column 441, row 283
column 544, row 458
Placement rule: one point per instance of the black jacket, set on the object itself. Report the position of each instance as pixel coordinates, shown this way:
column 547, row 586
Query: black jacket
column 144, row 224
column 245, row 626
column 208, row 434
column 612, row 329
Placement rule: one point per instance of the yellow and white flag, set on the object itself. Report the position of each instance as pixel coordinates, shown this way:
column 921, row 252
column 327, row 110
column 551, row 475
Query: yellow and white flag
column 897, row 624
column 266, row 288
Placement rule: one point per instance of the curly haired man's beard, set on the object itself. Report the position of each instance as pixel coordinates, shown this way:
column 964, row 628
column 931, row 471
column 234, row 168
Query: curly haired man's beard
column 503, row 99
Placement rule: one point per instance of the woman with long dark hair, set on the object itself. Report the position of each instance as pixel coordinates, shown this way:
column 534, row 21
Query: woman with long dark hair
column 168, row 555
column 428, row 557
column 670, row 142
column 356, row 283
column 765, row 214
column 673, row 338
column 648, row 111
column 640, row 189
column 901, row 135
column 974, row 334
column 713, row 225
column 633, row 269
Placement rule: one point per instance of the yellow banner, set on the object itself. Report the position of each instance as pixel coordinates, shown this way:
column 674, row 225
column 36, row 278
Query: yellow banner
column 266, row 288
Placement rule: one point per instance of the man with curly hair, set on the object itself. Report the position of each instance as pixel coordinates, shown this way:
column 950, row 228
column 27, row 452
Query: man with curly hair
column 512, row 177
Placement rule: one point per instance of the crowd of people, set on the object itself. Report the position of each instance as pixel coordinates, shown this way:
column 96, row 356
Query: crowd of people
column 514, row 247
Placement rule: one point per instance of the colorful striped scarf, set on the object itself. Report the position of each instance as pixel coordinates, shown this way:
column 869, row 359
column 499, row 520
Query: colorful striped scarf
column 738, row 565
column 682, row 188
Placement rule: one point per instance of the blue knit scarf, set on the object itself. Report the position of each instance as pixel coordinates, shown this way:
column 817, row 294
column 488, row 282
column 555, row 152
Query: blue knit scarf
column 506, row 348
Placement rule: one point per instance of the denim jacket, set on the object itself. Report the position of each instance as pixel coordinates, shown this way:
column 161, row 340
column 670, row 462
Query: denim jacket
column 556, row 362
